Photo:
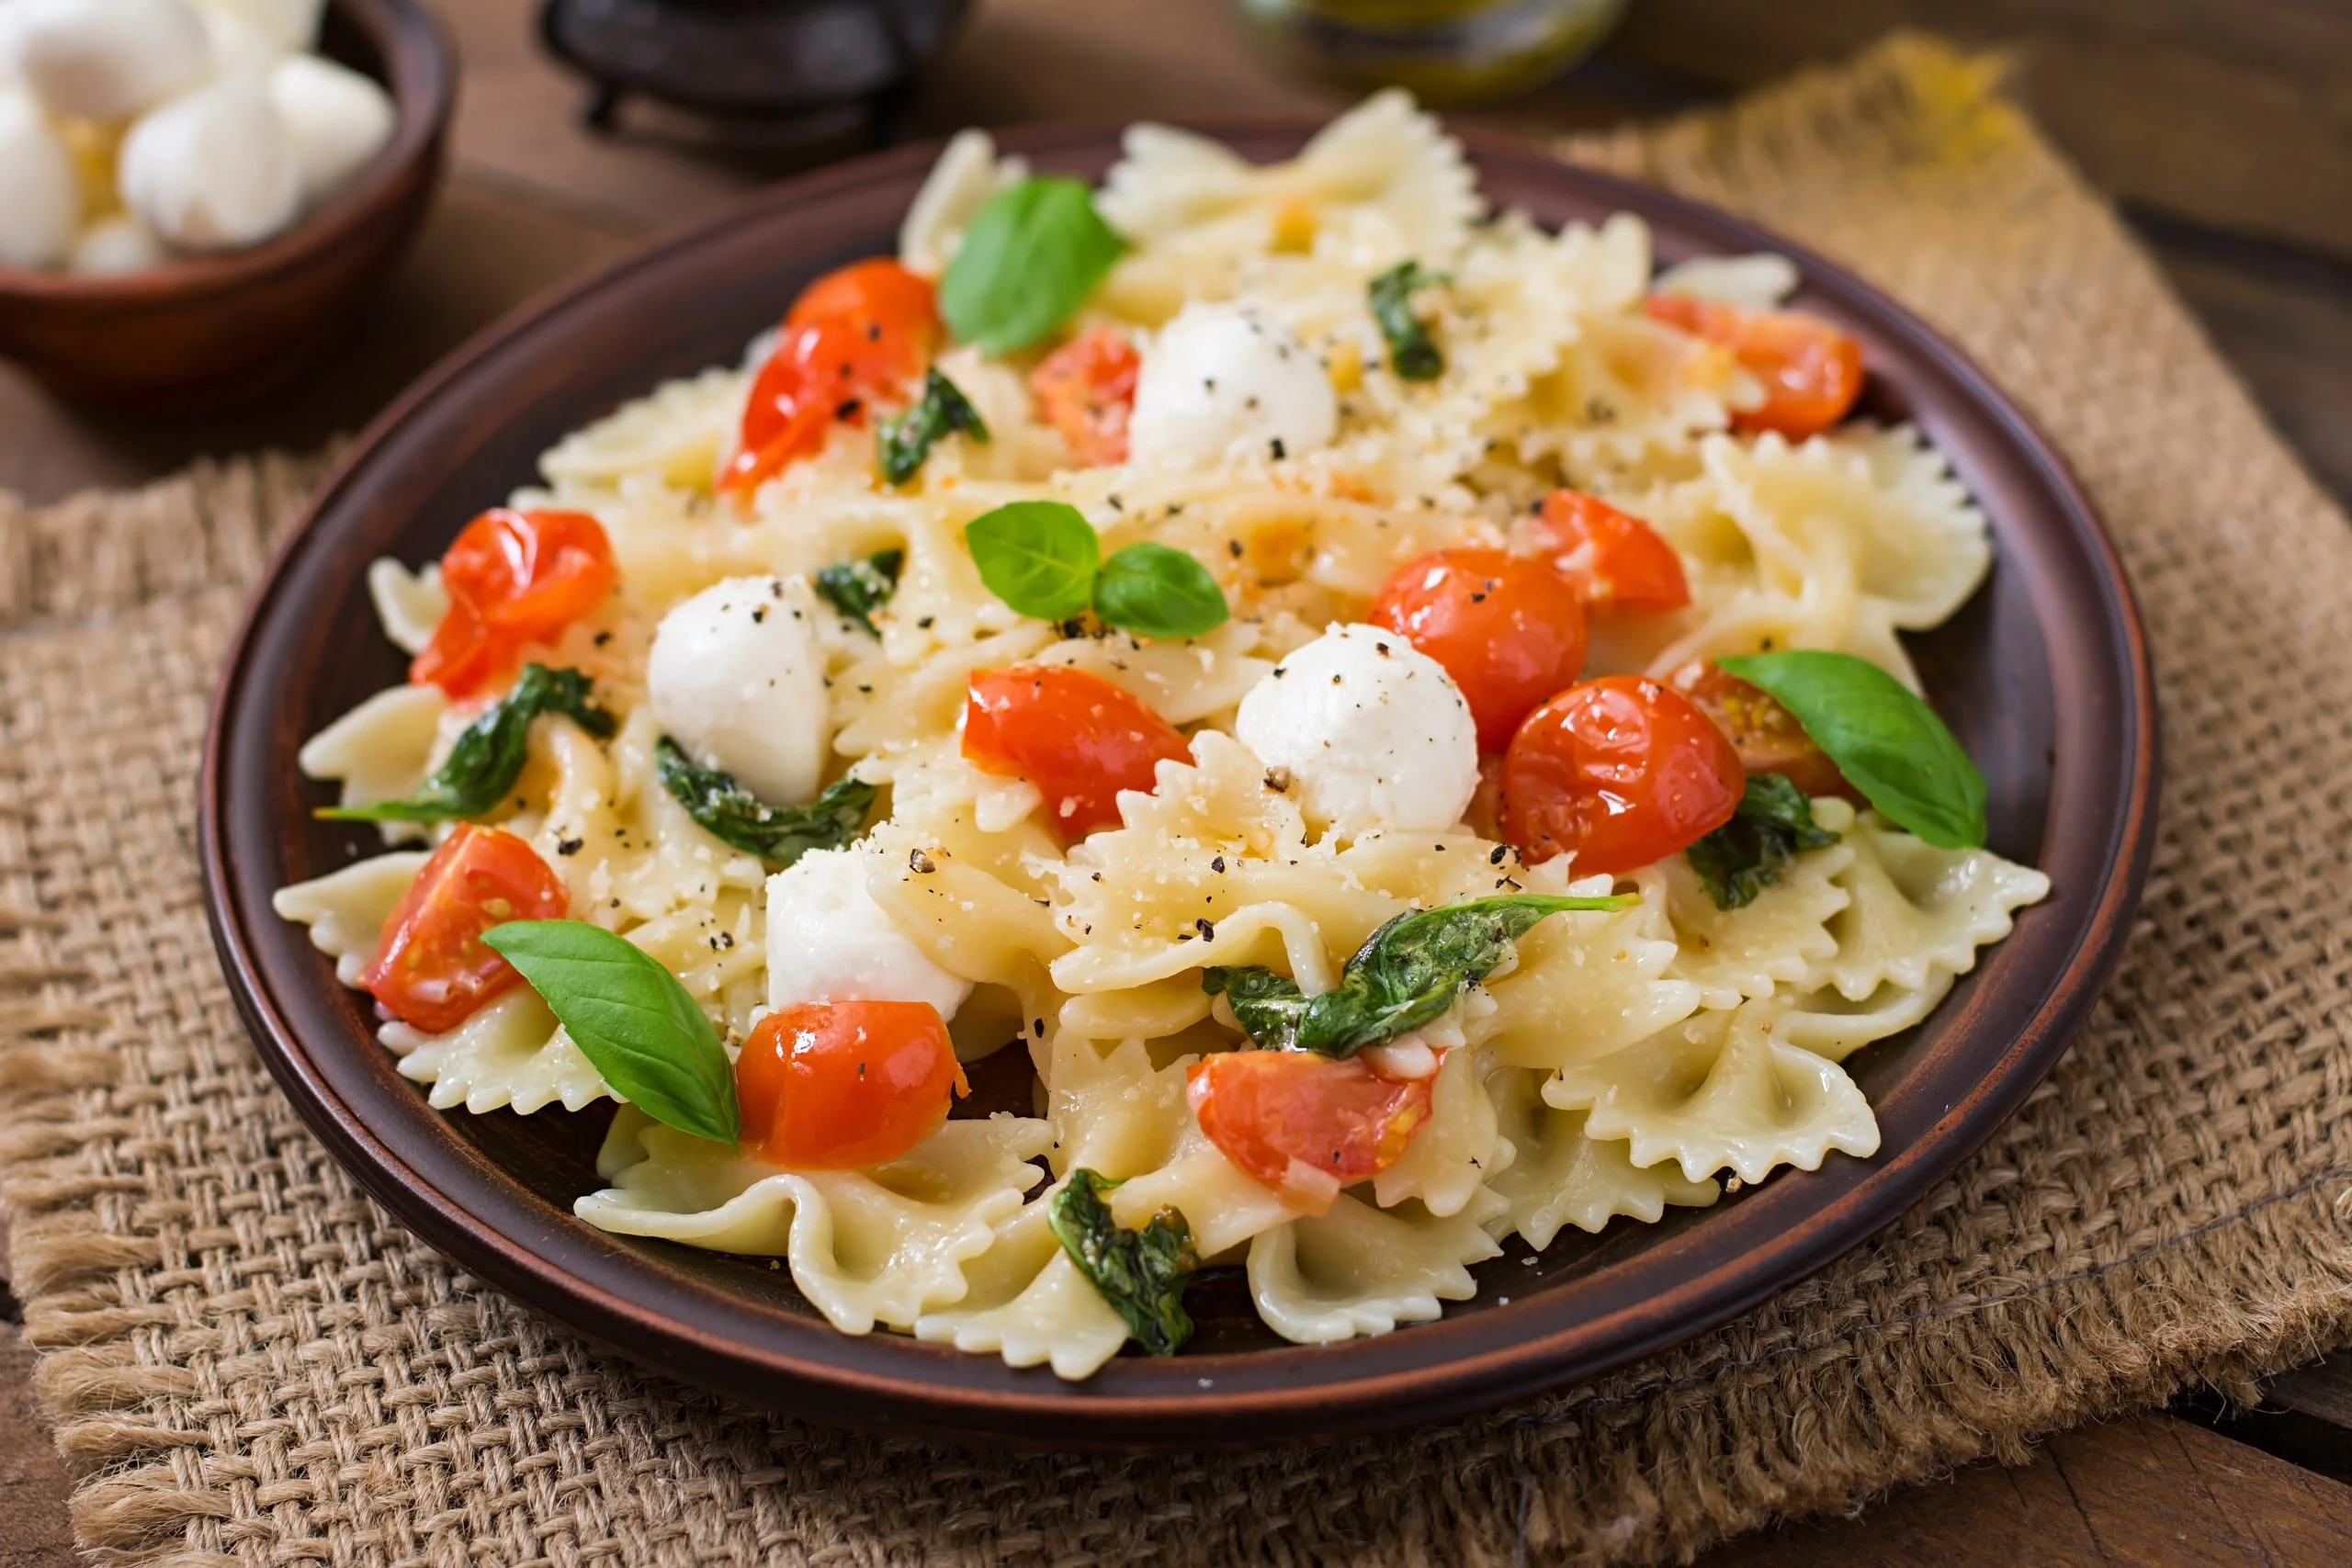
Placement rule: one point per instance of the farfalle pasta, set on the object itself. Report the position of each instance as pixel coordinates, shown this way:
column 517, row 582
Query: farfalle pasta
column 1397, row 717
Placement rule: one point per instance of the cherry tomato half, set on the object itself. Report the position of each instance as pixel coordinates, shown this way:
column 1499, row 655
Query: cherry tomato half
column 1620, row 772
column 1812, row 372
column 1086, row 389
column 1080, row 738
column 855, row 334
column 513, row 578
column 834, row 1086
column 1616, row 560
column 431, row 969
column 1305, row 1125
column 1766, row 735
column 1508, row 629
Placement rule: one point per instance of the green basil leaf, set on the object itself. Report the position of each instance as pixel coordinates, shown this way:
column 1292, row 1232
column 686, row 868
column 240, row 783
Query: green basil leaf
column 488, row 755
column 632, row 1020
column 1030, row 258
column 1412, row 354
column 1154, row 591
column 1141, row 1273
column 1888, row 743
column 779, row 834
column 1740, row 859
column 858, row 588
column 1268, row 1005
column 905, row 439
column 1040, row 557
column 1405, row 975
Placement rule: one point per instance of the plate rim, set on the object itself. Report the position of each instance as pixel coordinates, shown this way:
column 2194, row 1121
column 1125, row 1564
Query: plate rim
column 1084, row 1414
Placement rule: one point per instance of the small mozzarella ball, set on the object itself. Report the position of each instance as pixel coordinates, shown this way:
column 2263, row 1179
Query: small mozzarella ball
column 289, row 24
column 830, row 941
column 1221, row 377
column 238, row 45
column 339, row 120
column 214, row 170
column 40, row 200
column 115, row 245
column 737, row 677
column 109, row 59
column 1375, row 733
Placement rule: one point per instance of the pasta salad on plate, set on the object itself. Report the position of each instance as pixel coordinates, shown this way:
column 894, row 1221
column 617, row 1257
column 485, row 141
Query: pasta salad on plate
column 1396, row 714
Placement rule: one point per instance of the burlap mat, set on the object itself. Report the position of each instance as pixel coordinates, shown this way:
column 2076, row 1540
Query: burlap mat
column 259, row 1366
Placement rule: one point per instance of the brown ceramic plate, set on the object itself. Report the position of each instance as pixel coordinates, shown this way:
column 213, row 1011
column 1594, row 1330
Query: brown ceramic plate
column 2043, row 676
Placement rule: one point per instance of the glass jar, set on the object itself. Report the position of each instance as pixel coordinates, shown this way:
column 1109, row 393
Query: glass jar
column 1444, row 52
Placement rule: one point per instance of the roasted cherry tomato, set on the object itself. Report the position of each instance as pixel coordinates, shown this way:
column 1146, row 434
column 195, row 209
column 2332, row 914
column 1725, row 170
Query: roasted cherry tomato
column 1617, row 561
column 1507, row 628
column 855, row 334
column 1812, row 372
column 1080, row 738
column 513, row 578
column 832, row 1086
column 1086, row 389
column 1303, row 1123
column 431, row 969
column 1620, row 772
column 1766, row 735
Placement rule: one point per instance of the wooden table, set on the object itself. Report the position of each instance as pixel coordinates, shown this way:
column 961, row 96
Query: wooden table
column 2230, row 139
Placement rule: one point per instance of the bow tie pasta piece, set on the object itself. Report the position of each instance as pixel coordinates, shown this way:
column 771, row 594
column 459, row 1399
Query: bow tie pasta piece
column 1779, row 937
column 1459, row 1149
column 865, row 1246
column 959, row 184
column 678, row 432
column 1558, row 1177
column 381, row 751
column 409, row 604
column 1917, row 909
column 1381, row 180
column 1213, row 867
column 1360, row 1269
column 1587, row 985
column 1116, row 1114
column 1623, row 405
column 510, row 1054
column 1830, row 1025
column 1722, row 1092
column 345, row 910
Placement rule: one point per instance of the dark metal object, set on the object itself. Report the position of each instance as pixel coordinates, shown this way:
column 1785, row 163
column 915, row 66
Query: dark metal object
column 751, row 59
column 2043, row 676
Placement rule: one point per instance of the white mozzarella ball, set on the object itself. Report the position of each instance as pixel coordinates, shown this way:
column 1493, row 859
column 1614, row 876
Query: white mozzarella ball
column 115, row 245
column 1373, row 733
column 40, row 200
column 289, row 24
column 238, row 45
column 214, row 170
column 109, row 59
column 1222, row 378
column 830, row 941
column 737, row 677
column 338, row 120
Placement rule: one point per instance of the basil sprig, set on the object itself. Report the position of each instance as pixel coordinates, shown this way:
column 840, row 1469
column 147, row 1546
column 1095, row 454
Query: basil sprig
column 1888, row 743
column 1141, row 1273
column 1045, row 559
column 1029, row 259
column 858, row 588
column 1772, row 822
column 488, row 755
column 631, row 1018
column 905, row 439
column 779, row 834
column 1406, row 975
column 1412, row 352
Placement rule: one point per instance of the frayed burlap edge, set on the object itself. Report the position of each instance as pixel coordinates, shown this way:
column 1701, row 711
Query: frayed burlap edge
column 279, row 1374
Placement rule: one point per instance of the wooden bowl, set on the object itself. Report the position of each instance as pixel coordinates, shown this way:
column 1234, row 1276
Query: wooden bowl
column 193, row 333
column 2043, row 676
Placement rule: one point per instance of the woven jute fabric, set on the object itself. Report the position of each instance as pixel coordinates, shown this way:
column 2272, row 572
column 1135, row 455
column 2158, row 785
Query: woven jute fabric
column 259, row 1367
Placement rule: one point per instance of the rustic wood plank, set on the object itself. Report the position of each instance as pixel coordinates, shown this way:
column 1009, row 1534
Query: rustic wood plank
column 33, row 1479
column 2234, row 115
column 2153, row 1490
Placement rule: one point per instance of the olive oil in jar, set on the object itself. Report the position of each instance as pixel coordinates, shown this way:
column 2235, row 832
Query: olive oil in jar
column 1444, row 52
